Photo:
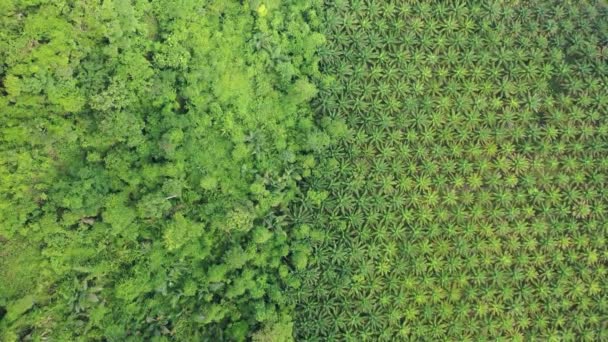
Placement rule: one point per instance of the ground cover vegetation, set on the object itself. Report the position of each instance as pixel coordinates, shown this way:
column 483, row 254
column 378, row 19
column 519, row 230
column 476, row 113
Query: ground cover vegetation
column 353, row 170
column 469, row 200
column 149, row 150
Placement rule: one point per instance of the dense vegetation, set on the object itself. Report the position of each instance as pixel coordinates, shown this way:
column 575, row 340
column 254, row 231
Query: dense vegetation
column 354, row 170
column 149, row 150
column 470, row 201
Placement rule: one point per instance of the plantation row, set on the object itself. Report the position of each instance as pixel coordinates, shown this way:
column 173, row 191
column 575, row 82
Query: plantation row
column 469, row 201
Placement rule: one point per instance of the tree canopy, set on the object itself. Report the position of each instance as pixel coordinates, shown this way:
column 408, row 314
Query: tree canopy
column 149, row 151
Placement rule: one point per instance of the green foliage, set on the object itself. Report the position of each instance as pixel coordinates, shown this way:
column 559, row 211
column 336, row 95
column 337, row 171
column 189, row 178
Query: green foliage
column 148, row 153
column 276, row 333
column 19, row 307
column 463, row 203
column 164, row 174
